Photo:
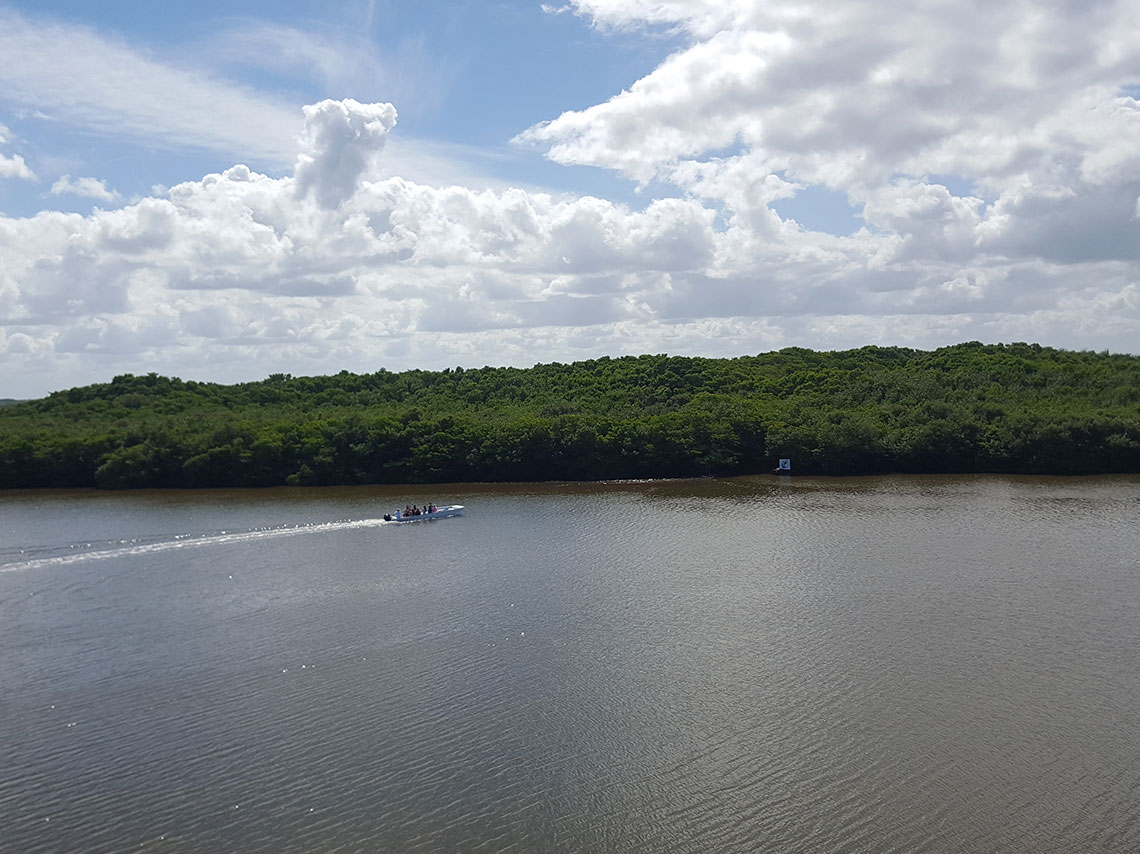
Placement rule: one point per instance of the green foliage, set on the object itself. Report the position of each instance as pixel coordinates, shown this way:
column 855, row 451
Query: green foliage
column 967, row 408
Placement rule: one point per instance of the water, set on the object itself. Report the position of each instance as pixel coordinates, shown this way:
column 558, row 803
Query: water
column 762, row 665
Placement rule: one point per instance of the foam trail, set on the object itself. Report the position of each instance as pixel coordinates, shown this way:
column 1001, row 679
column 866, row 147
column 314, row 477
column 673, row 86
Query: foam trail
column 185, row 543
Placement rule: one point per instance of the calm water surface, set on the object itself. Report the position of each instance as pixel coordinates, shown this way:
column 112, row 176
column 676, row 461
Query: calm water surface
column 762, row 665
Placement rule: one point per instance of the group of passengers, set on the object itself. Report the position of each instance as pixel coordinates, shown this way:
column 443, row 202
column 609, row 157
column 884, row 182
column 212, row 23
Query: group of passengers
column 411, row 510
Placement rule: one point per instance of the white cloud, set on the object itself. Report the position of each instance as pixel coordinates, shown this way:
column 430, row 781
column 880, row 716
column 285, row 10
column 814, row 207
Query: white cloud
column 14, row 167
column 335, row 261
column 91, row 188
column 852, row 95
column 63, row 72
column 73, row 74
column 351, row 262
column 338, row 266
column 335, row 58
column 697, row 16
column 340, row 142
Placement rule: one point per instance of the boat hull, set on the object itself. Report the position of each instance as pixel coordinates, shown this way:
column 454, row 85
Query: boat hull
column 441, row 513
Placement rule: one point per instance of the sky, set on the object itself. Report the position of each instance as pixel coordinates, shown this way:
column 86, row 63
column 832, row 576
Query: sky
column 222, row 191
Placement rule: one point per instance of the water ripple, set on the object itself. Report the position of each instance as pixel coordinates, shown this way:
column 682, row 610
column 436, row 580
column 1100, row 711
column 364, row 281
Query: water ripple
column 883, row 665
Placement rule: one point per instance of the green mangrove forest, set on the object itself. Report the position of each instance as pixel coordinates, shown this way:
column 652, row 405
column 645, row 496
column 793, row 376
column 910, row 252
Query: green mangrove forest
column 1017, row 408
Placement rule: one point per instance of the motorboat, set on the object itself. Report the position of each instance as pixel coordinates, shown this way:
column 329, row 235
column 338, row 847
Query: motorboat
column 438, row 513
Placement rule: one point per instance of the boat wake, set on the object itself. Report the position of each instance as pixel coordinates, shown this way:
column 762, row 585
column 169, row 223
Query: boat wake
column 81, row 552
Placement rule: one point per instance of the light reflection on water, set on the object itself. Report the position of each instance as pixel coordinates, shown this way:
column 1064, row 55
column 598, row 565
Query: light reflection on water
column 865, row 665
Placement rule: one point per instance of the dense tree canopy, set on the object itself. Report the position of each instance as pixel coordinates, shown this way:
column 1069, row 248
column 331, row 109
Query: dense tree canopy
column 968, row 408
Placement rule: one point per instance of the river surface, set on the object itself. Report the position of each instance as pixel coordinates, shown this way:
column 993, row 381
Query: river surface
column 904, row 664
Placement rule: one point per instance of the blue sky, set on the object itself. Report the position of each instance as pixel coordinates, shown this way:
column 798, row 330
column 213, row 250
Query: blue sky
column 221, row 191
column 464, row 75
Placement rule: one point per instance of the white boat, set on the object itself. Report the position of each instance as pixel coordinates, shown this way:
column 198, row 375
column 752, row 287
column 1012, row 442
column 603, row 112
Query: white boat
column 438, row 513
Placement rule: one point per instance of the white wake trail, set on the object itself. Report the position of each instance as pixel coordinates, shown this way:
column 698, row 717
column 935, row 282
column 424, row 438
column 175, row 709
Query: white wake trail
column 191, row 542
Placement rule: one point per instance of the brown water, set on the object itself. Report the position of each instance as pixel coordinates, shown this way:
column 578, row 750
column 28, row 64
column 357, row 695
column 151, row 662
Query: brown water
column 800, row 665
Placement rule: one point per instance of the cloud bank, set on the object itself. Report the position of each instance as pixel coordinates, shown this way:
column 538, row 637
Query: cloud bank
column 991, row 152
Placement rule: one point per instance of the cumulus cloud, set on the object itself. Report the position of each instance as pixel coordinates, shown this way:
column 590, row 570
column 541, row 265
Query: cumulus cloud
column 336, row 261
column 1028, row 104
column 340, row 142
column 339, row 266
column 91, row 188
column 13, row 166
column 72, row 74
column 989, row 150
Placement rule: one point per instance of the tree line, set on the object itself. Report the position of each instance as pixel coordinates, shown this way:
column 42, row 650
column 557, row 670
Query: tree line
column 1016, row 408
